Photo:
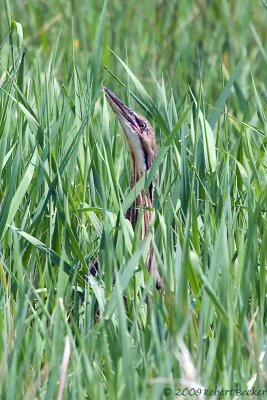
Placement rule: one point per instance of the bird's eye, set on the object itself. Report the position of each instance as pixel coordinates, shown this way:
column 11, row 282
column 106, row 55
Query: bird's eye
column 142, row 125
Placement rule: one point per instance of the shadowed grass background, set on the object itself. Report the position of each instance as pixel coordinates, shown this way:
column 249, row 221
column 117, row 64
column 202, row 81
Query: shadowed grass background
column 197, row 70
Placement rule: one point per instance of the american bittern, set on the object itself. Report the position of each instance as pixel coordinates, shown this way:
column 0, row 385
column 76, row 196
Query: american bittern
column 140, row 138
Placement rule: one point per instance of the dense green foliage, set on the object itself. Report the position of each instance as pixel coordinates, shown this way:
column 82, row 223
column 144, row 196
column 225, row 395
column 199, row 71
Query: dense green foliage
column 197, row 69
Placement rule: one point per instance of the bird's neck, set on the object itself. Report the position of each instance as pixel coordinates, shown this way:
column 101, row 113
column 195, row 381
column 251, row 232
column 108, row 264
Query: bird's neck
column 143, row 200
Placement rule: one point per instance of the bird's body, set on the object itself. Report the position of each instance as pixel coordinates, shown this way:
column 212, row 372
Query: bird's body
column 140, row 138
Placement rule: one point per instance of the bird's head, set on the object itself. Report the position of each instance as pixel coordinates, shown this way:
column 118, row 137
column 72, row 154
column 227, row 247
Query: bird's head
column 139, row 134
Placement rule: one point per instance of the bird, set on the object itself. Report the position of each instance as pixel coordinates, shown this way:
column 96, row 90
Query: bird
column 141, row 142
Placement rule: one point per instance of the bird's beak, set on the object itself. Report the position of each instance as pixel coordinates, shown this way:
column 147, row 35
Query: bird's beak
column 124, row 113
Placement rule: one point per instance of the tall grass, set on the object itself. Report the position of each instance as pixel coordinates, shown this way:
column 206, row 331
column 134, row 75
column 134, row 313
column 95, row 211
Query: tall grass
column 197, row 71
